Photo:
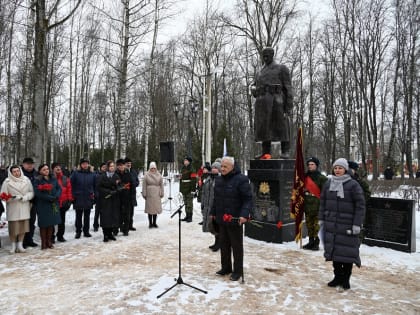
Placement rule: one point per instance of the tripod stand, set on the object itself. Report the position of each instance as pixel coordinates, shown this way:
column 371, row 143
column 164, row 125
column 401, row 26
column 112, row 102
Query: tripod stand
column 170, row 192
column 179, row 279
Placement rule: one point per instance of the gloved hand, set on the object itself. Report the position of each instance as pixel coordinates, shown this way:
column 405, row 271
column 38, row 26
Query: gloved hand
column 113, row 192
column 355, row 229
column 17, row 198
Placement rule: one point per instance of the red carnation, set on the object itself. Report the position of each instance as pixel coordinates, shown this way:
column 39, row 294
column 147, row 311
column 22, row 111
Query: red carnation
column 227, row 217
column 45, row 187
column 5, row 196
column 279, row 225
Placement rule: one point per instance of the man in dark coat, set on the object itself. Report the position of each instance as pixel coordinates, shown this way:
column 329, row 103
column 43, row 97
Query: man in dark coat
column 31, row 173
column 126, row 196
column 83, row 185
column 389, row 173
column 273, row 105
column 108, row 186
column 314, row 181
column 231, row 208
column 135, row 177
column 187, row 187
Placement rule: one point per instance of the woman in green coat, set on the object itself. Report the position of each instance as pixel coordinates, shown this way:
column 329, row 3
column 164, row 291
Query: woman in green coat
column 47, row 192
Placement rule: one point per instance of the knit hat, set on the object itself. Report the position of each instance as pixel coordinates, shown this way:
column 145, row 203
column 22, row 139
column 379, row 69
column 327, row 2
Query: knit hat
column 189, row 158
column 152, row 165
column 353, row 165
column 314, row 160
column 341, row 162
column 216, row 165
column 83, row 160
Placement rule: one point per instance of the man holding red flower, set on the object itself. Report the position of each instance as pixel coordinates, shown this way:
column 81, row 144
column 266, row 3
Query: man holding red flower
column 232, row 197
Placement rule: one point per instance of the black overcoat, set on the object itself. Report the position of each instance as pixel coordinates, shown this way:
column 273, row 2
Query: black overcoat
column 109, row 200
column 339, row 215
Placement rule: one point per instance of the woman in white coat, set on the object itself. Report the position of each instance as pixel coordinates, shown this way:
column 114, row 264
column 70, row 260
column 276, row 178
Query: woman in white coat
column 18, row 208
column 152, row 193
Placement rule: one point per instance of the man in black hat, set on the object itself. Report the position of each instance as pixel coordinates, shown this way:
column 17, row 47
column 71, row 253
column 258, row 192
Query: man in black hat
column 187, row 187
column 314, row 181
column 30, row 172
column 83, row 186
column 126, row 196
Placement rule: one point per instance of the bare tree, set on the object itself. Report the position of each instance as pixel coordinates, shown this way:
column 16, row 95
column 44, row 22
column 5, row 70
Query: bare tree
column 43, row 25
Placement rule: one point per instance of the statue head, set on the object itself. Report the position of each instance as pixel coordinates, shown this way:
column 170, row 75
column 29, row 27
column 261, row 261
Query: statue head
column 267, row 55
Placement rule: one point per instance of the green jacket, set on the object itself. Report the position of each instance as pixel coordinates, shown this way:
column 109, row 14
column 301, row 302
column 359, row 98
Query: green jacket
column 312, row 202
column 188, row 179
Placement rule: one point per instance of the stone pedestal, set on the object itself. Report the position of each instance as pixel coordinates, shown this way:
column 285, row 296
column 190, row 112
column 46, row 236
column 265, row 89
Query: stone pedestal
column 272, row 182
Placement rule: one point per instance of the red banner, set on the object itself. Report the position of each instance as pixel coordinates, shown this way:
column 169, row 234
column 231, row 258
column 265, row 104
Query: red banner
column 296, row 207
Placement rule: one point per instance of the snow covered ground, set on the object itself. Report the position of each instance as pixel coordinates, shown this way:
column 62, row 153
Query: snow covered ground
column 87, row 276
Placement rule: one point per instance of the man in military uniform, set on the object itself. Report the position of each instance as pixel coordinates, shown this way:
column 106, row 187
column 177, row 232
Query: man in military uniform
column 187, row 187
column 273, row 105
column 314, row 181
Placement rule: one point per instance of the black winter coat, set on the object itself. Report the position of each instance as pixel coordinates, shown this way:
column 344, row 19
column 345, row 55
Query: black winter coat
column 83, row 188
column 109, row 200
column 339, row 215
column 232, row 196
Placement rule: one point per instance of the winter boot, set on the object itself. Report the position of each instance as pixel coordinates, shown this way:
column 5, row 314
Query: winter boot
column 43, row 234
column 20, row 248
column 150, row 220
column 311, row 243
column 338, row 275
column 13, row 248
column 189, row 218
column 346, row 275
column 215, row 243
column 154, row 221
column 316, row 244
column 216, row 246
column 50, row 231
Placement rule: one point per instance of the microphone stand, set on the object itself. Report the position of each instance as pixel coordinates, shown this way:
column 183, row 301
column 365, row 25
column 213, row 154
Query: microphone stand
column 179, row 279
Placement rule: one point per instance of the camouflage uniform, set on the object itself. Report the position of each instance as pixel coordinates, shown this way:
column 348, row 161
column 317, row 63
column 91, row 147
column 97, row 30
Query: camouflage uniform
column 311, row 207
column 186, row 187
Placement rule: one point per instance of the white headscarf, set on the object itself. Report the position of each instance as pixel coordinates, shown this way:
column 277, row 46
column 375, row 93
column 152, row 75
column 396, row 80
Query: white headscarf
column 152, row 165
column 17, row 185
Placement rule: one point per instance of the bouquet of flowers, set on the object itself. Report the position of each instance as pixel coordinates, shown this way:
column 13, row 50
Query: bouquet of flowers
column 230, row 218
column 6, row 196
column 48, row 188
column 126, row 186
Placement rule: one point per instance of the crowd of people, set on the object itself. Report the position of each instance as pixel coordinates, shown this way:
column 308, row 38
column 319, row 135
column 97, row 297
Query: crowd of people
column 44, row 196
column 334, row 206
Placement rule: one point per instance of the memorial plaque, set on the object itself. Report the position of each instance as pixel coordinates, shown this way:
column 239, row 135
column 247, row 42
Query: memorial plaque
column 272, row 182
column 390, row 223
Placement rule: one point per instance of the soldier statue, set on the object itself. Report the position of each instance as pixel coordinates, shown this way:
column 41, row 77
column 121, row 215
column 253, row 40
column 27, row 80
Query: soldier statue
column 273, row 105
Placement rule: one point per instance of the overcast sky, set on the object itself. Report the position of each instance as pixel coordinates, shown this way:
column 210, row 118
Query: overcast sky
column 188, row 9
